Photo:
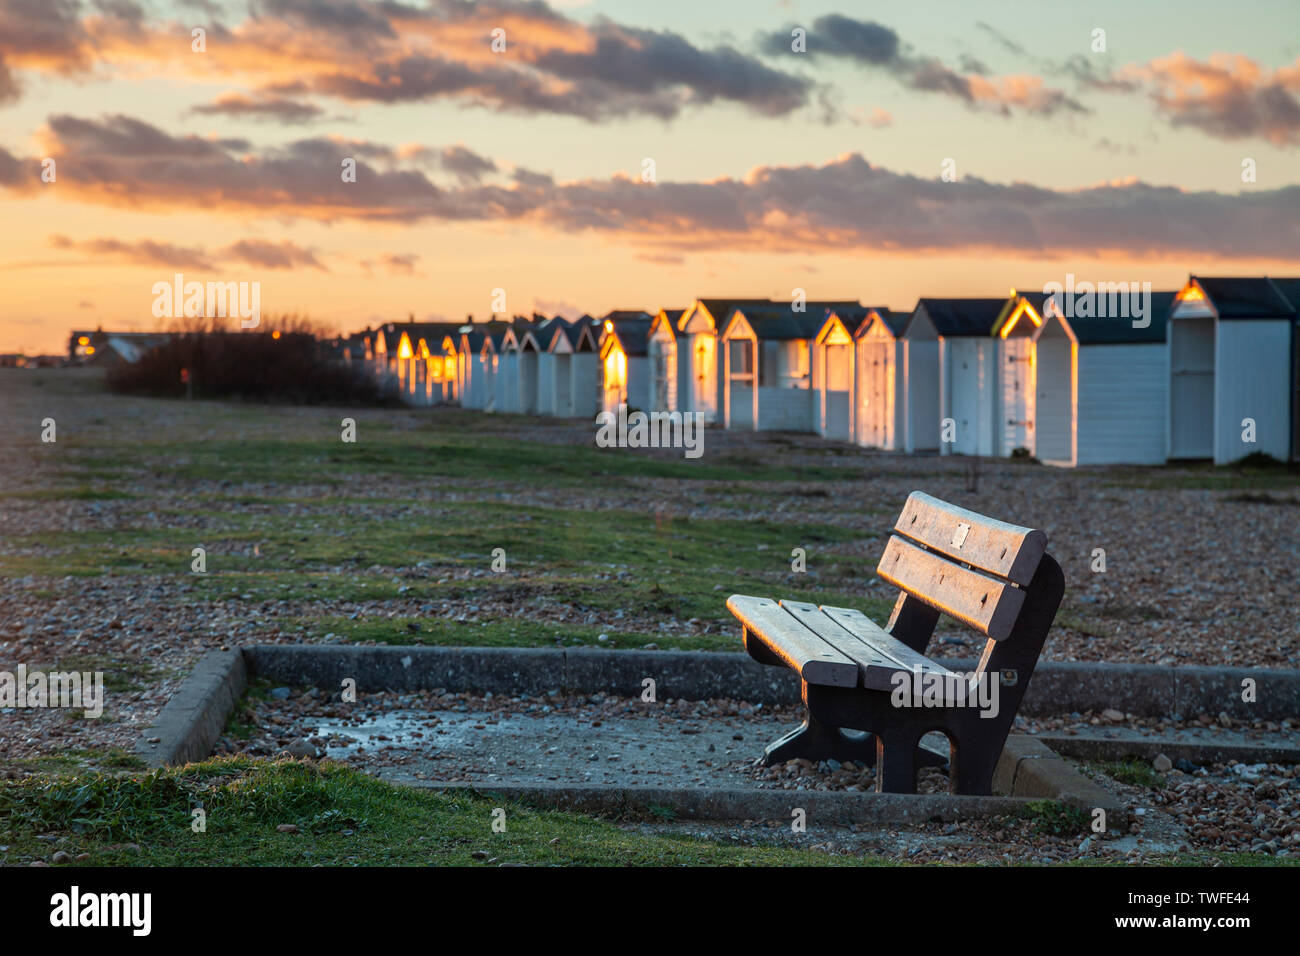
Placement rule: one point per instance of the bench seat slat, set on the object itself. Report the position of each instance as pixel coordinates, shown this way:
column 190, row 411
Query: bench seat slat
column 1006, row 550
column 870, row 634
column 811, row 657
column 986, row 604
column 876, row 667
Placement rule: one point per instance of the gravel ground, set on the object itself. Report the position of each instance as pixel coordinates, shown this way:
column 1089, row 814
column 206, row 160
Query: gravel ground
column 1193, row 575
column 440, row 737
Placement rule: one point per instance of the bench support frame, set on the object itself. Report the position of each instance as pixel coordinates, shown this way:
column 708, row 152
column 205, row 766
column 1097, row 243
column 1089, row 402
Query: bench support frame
column 976, row 741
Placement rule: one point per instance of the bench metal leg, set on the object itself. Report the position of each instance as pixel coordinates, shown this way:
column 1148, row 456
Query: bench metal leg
column 896, row 761
column 816, row 741
column 973, row 766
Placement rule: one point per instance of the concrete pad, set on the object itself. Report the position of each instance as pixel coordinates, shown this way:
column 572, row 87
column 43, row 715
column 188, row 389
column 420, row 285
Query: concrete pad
column 642, row 764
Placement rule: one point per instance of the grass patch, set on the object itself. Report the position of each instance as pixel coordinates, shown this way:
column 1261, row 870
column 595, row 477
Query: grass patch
column 1132, row 771
column 343, row 818
column 1057, row 819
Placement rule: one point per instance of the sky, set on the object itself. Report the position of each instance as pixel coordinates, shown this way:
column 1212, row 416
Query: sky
column 581, row 157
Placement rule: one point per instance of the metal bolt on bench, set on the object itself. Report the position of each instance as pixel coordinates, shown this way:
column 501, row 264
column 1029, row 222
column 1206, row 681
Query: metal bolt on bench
column 858, row 677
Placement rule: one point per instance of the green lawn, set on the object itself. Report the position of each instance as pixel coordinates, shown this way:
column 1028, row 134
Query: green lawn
column 343, row 818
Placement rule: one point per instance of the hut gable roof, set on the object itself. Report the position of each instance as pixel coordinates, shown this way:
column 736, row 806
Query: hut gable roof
column 895, row 322
column 778, row 321
column 632, row 334
column 956, row 317
column 547, row 332
column 1119, row 330
column 721, row 309
column 1291, row 289
column 1245, row 297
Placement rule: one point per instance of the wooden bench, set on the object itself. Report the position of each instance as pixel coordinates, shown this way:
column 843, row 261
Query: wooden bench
column 858, row 677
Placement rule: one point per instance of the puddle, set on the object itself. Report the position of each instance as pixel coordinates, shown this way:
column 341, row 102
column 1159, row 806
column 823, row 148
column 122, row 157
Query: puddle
column 452, row 746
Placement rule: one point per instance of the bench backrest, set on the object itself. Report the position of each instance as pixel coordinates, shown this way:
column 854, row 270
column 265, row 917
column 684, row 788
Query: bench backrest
column 962, row 564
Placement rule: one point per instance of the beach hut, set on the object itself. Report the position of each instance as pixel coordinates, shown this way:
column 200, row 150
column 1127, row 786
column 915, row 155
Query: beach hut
column 449, row 375
column 665, row 372
column 1231, row 360
column 625, row 367
column 552, row 366
column 475, row 367
column 529, row 361
column 833, row 373
column 699, row 379
column 1290, row 288
column 508, row 372
column 384, row 359
column 1101, row 385
column 963, row 334
column 427, row 362
column 567, row 368
column 767, row 375
column 1013, row 382
column 880, row 384
column 579, row 353
column 501, row 377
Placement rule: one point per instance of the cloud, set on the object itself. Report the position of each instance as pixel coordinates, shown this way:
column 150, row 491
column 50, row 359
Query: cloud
column 876, row 46
column 843, row 204
column 466, row 165
column 272, row 255
column 1085, row 70
column 878, row 118
column 1229, row 96
column 278, row 108
column 392, row 52
column 256, row 252
column 393, row 264
column 143, row 252
column 1008, row 44
column 122, row 161
column 837, row 35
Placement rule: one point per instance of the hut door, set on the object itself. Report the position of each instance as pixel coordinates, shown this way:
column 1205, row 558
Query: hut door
column 1191, row 388
column 873, row 403
column 563, row 385
column 964, row 366
column 1017, row 394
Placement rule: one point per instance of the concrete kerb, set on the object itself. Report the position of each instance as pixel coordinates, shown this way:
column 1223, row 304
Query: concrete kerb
column 188, row 727
column 822, row 807
column 1144, row 690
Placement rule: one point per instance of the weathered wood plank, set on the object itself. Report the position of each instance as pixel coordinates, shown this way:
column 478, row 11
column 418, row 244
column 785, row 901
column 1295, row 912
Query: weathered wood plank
column 986, row 604
column 1006, row 550
column 876, row 669
column 871, row 635
column 953, row 686
column 816, row 661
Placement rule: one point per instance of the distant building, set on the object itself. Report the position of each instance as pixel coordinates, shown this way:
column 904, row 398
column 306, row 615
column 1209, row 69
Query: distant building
column 111, row 348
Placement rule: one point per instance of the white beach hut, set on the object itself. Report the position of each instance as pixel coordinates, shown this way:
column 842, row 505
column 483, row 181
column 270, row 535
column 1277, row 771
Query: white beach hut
column 881, row 383
column 767, row 372
column 662, row 351
column 1101, row 385
column 833, row 368
column 961, row 334
column 1231, row 358
column 625, row 366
